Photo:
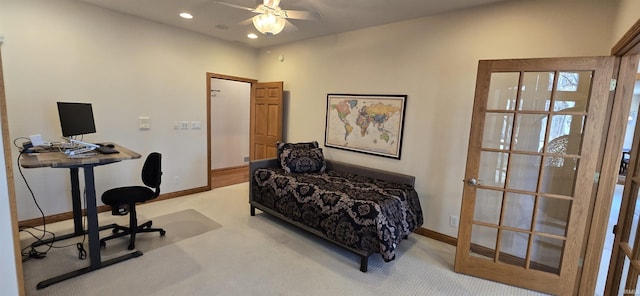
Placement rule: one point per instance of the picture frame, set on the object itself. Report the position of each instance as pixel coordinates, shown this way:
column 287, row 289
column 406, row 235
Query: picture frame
column 371, row 124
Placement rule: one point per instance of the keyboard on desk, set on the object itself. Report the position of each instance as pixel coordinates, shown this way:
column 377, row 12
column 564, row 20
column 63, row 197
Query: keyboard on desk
column 104, row 149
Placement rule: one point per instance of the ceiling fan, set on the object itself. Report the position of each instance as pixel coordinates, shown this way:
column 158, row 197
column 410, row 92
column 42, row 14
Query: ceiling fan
column 270, row 18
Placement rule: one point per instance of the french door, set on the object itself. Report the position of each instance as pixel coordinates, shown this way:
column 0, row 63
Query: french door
column 624, row 268
column 536, row 131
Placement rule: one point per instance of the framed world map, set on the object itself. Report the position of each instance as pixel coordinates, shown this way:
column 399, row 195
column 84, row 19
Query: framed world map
column 365, row 123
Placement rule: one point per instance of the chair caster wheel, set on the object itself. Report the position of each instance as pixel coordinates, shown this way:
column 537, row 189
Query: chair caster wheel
column 162, row 232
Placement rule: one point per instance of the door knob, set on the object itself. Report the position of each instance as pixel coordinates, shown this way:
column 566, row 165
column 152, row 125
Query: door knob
column 474, row 182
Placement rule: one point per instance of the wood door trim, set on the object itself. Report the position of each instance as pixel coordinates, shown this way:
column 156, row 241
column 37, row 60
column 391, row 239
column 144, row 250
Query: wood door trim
column 208, row 100
column 597, row 230
column 6, row 147
column 629, row 43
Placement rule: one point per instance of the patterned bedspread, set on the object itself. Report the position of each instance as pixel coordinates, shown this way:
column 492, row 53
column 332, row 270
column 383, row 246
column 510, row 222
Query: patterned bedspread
column 360, row 212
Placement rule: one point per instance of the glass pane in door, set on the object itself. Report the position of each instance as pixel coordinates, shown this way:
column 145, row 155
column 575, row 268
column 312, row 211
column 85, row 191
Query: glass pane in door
column 483, row 242
column 572, row 91
column 536, row 91
column 546, row 253
column 530, row 132
column 503, row 91
column 525, row 172
column 552, row 215
column 489, row 205
column 518, row 211
column 557, row 173
column 493, row 168
column 565, row 134
column 513, row 247
column 498, row 126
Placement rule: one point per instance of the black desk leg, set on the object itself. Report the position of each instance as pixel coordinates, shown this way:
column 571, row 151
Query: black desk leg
column 92, row 218
column 94, row 235
column 77, row 202
column 78, row 228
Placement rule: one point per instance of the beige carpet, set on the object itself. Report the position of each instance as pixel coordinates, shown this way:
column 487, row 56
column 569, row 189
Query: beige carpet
column 263, row 256
column 180, row 225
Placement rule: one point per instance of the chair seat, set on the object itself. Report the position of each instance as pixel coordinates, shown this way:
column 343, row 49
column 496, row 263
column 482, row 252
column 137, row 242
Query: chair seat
column 123, row 201
column 127, row 195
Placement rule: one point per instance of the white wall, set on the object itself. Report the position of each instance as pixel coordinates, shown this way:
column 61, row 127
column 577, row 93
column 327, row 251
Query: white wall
column 230, row 108
column 434, row 61
column 126, row 67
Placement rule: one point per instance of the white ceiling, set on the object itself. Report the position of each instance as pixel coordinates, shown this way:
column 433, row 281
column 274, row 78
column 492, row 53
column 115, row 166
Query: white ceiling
column 336, row 16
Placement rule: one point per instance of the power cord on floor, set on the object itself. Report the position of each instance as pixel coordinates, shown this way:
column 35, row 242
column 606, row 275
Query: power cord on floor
column 82, row 253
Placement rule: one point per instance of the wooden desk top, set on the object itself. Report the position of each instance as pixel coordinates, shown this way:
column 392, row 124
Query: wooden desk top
column 61, row 160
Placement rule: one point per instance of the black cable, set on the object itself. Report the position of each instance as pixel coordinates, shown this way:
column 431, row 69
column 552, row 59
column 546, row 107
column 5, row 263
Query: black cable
column 82, row 253
column 18, row 138
column 33, row 253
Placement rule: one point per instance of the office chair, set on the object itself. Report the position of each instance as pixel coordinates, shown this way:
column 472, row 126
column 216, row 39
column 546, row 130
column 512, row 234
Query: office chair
column 124, row 199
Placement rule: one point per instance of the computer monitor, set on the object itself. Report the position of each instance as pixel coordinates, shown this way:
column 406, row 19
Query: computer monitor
column 76, row 119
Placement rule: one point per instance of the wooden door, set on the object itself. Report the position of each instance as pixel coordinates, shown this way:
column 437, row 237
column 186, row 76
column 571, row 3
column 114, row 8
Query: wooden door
column 536, row 130
column 266, row 119
column 624, row 268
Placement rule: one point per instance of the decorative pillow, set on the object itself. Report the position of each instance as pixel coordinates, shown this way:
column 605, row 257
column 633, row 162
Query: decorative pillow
column 303, row 160
column 302, row 145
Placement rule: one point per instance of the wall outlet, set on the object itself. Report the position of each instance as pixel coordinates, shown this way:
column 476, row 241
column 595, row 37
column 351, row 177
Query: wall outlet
column 184, row 124
column 246, row 159
column 453, row 221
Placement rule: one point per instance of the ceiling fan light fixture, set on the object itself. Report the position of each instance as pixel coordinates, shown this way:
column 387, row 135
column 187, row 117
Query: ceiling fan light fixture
column 268, row 24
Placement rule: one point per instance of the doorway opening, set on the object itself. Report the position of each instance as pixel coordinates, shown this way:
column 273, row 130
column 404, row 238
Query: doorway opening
column 229, row 100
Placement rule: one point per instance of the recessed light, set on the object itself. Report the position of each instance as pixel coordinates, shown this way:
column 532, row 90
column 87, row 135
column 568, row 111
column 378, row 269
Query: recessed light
column 186, row 15
column 252, row 36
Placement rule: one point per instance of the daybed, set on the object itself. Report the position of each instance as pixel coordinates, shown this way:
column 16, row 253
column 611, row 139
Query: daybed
column 362, row 209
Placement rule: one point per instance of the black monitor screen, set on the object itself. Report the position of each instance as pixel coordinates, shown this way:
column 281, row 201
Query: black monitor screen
column 76, row 119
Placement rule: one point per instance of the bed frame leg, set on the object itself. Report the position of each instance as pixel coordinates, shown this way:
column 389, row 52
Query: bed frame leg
column 253, row 211
column 364, row 263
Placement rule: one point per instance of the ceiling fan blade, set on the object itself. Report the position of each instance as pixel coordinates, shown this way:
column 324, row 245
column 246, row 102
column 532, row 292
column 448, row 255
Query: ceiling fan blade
column 248, row 21
column 289, row 27
column 237, row 6
column 303, row 15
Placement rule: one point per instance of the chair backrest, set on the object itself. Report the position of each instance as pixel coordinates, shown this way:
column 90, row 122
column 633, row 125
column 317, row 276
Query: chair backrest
column 152, row 171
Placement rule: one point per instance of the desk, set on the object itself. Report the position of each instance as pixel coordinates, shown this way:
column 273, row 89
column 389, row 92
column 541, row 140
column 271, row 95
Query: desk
column 60, row 160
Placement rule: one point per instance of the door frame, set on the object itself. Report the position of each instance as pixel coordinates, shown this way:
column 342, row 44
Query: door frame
column 596, row 233
column 223, row 77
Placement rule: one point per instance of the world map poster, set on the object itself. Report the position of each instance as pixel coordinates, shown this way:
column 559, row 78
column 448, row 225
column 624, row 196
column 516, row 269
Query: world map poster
column 366, row 123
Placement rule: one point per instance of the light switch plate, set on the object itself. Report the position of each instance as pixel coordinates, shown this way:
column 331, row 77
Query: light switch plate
column 196, row 124
column 144, row 122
